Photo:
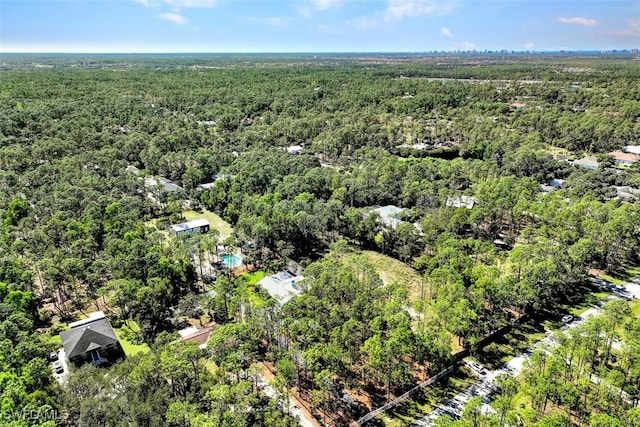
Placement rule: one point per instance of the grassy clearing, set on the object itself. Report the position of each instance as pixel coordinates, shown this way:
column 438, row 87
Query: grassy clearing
column 254, row 277
column 215, row 221
column 428, row 399
column 125, row 334
column 393, row 271
column 511, row 344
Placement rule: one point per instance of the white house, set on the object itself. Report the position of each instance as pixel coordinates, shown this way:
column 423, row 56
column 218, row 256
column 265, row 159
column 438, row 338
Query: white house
column 390, row 215
column 282, row 286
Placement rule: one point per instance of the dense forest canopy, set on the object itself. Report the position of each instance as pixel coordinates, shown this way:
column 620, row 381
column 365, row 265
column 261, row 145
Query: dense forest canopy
column 78, row 232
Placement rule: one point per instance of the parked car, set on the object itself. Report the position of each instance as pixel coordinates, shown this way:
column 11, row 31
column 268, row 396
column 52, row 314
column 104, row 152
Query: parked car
column 477, row 368
column 568, row 318
column 53, row 355
column 57, row 367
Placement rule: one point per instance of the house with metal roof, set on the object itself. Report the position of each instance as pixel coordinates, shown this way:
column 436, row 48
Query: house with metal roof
column 200, row 225
column 389, row 215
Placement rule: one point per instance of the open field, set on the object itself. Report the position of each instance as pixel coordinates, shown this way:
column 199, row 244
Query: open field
column 393, row 271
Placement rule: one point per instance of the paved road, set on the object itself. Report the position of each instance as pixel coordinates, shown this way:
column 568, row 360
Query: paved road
column 484, row 387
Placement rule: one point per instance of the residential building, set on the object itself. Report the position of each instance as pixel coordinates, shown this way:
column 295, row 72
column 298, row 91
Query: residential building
column 294, row 149
column 390, row 215
column 635, row 149
column 200, row 225
column 282, row 286
column 91, row 340
column 165, row 185
column 196, row 336
column 625, row 159
column 589, row 162
column 461, row 202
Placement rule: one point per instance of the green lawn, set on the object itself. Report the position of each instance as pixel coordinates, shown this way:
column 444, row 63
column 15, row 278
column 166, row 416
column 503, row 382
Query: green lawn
column 254, row 277
column 614, row 280
column 125, row 333
column 635, row 307
column 428, row 399
column 215, row 221
column 589, row 300
column 256, row 299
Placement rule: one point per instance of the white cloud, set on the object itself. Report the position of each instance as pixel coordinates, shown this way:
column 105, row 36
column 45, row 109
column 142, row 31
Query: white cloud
column 196, row 4
column 305, row 11
column 325, row 4
column 364, row 23
column 465, row 46
column 189, row 4
column 529, row 46
column 176, row 18
column 147, row 3
column 446, row 32
column 398, row 9
column 588, row 22
column 274, row 21
column 632, row 30
column 278, row 21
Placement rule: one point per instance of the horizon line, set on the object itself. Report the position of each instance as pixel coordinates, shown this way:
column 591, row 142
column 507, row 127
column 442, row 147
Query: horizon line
column 612, row 50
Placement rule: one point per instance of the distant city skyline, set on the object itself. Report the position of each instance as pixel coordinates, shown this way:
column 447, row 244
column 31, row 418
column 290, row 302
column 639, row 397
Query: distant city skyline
column 230, row 26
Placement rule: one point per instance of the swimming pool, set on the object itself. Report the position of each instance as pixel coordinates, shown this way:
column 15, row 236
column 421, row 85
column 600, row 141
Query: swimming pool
column 231, row 260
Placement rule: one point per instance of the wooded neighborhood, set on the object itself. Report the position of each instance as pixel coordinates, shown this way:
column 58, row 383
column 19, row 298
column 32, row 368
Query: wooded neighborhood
column 333, row 232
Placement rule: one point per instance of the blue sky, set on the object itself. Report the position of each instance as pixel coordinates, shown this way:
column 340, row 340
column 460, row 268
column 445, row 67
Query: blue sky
column 316, row 25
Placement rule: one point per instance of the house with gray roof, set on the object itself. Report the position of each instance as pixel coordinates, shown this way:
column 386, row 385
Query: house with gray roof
column 92, row 340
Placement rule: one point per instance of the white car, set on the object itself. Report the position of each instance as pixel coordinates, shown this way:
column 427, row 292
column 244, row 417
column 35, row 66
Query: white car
column 566, row 319
column 477, row 368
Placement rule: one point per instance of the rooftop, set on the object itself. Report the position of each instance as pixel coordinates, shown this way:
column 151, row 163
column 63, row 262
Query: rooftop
column 294, row 149
column 132, row 169
column 88, row 334
column 196, row 223
column 167, row 185
column 389, row 214
column 635, row 149
column 198, row 336
column 282, row 286
column 461, row 201
column 588, row 162
column 625, row 157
